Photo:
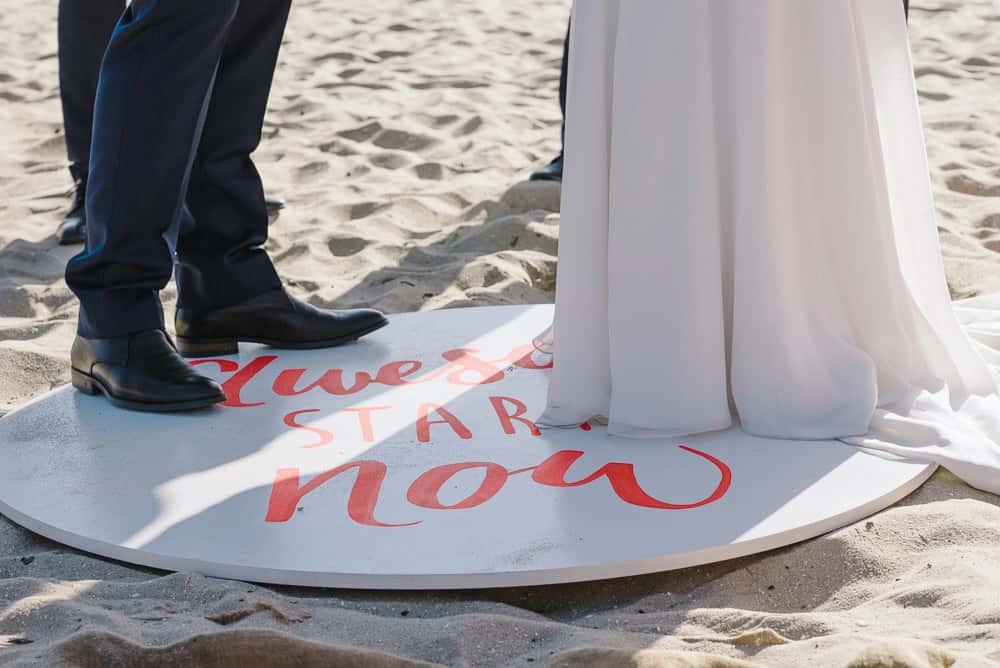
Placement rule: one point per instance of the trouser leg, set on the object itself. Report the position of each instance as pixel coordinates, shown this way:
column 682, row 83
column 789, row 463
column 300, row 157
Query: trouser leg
column 221, row 259
column 84, row 30
column 152, row 97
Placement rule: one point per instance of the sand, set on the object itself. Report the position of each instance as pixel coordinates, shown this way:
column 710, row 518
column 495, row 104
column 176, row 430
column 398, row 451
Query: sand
column 400, row 133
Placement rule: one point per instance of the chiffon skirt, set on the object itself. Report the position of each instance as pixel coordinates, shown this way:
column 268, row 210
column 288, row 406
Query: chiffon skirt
column 748, row 236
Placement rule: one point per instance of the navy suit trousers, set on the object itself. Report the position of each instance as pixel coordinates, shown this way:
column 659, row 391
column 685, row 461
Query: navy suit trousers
column 179, row 108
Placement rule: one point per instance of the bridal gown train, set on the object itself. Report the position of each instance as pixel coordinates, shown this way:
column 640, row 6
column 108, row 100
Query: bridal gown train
column 748, row 233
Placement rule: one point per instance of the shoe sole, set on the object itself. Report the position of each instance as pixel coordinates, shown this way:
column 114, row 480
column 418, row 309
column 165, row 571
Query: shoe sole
column 214, row 347
column 90, row 385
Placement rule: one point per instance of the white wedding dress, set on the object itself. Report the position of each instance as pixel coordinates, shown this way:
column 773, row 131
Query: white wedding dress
column 748, row 233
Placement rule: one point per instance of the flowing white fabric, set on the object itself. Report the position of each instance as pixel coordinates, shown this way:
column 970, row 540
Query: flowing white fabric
column 748, row 230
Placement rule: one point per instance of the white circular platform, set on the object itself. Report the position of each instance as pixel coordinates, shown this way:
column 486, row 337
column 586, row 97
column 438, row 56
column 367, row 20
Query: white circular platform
column 408, row 461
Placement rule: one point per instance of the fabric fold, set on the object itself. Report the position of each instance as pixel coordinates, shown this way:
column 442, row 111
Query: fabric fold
column 749, row 235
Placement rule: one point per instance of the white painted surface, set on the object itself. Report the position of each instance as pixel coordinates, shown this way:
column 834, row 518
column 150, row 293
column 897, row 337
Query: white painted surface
column 194, row 491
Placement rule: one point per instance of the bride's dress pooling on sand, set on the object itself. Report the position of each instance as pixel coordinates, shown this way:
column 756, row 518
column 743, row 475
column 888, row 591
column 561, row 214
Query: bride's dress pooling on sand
column 749, row 234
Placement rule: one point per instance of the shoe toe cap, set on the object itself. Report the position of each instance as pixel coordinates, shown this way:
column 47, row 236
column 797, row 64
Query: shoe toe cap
column 370, row 319
column 201, row 387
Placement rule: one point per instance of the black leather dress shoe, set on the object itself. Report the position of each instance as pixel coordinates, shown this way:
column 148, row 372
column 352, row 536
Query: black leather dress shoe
column 550, row 172
column 274, row 203
column 141, row 371
column 73, row 229
column 274, row 319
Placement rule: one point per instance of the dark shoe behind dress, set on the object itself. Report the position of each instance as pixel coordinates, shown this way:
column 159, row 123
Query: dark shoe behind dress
column 141, row 371
column 275, row 319
column 550, row 172
column 73, row 229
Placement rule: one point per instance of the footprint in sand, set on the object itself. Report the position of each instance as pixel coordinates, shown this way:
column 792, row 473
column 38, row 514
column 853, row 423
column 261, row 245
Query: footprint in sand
column 312, row 169
column 390, row 160
column 337, row 147
column 966, row 185
column 364, row 133
column 429, row 171
column 346, row 246
column 403, row 141
column 365, row 209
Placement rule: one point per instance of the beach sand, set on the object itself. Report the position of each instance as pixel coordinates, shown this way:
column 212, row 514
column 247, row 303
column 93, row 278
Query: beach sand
column 400, row 133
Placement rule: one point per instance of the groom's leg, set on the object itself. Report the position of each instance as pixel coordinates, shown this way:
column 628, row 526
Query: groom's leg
column 154, row 86
column 228, row 290
column 84, row 27
column 221, row 261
